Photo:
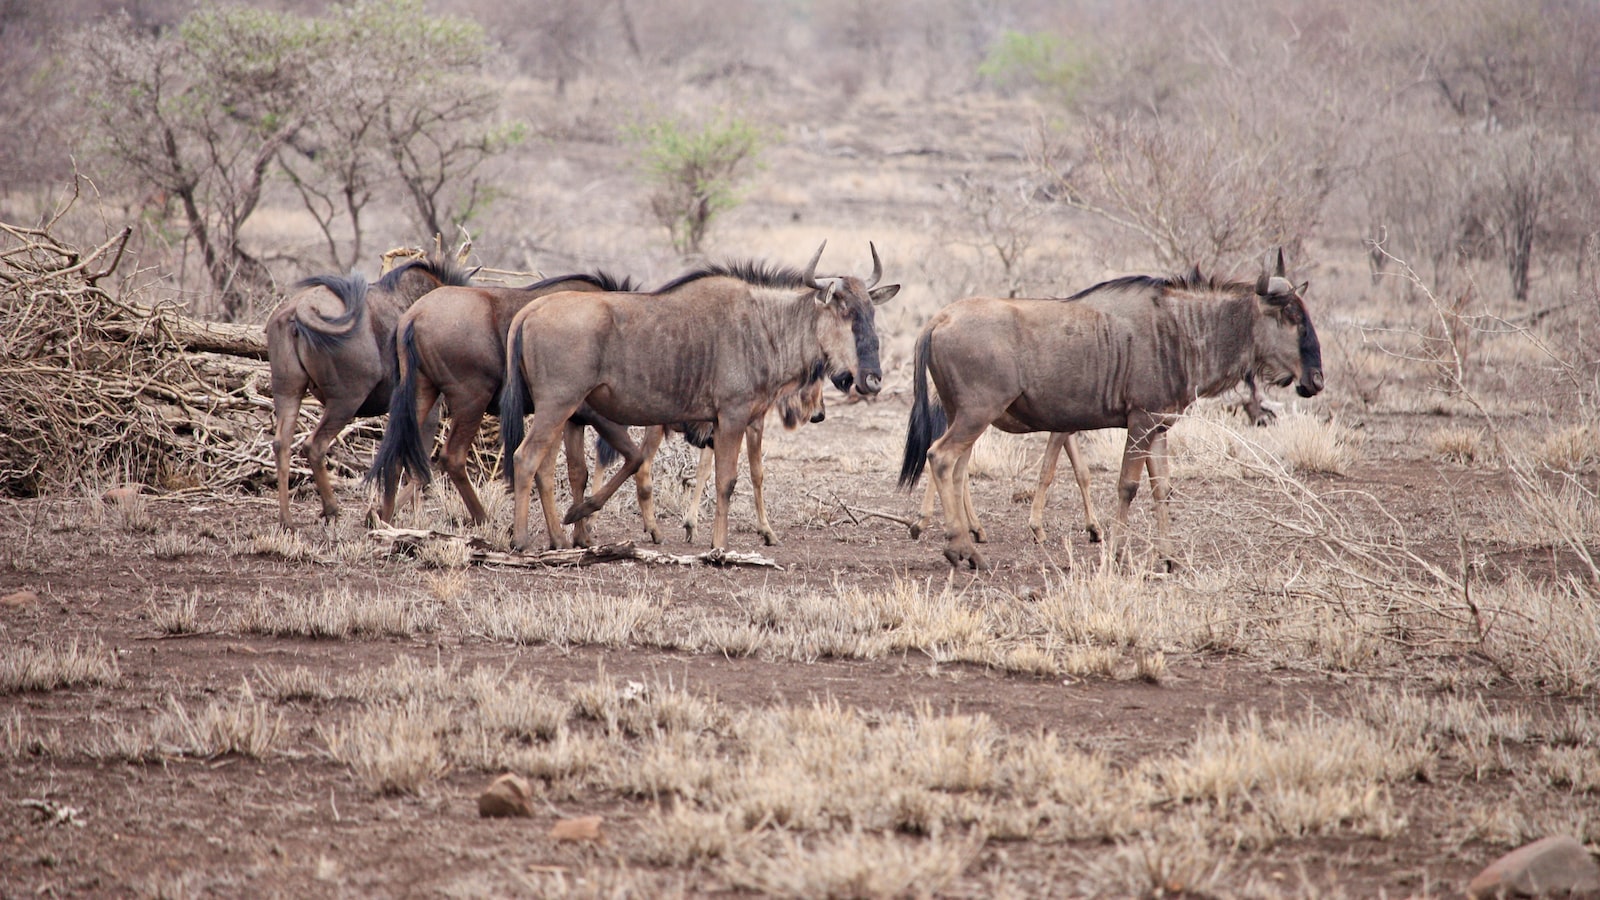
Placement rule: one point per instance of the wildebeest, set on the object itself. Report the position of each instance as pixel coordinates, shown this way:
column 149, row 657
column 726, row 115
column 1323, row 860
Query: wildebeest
column 716, row 346
column 452, row 344
column 1023, row 365
column 334, row 336
column 803, row 404
column 1066, row 440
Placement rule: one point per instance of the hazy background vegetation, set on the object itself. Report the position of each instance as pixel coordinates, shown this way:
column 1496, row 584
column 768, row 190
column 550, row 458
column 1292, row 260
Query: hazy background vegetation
column 989, row 145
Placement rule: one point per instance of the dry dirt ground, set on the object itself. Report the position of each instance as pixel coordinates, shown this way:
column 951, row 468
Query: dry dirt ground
column 220, row 756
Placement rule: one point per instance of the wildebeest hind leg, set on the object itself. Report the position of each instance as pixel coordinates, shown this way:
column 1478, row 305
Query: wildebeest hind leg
column 943, row 458
column 702, row 474
column 974, row 527
column 577, row 480
column 286, row 410
column 1047, row 477
column 1160, row 487
column 335, row 416
column 644, row 485
column 464, row 422
column 925, row 514
column 1080, row 473
column 632, row 458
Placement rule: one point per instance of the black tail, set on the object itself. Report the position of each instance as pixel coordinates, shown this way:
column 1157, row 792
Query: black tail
column 513, row 406
column 401, row 449
column 604, row 453
column 323, row 334
column 927, row 420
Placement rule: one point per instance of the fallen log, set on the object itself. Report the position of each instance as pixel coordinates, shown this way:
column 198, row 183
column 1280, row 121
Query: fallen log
column 407, row 541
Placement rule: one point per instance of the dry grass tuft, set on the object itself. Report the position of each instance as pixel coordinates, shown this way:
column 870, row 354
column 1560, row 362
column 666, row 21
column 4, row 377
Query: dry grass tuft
column 1311, row 446
column 589, row 617
column 1575, row 448
column 180, row 615
column 47, row 667
column 854, row 864
column 1453, row 443
column 335, row 613
column 392, row 749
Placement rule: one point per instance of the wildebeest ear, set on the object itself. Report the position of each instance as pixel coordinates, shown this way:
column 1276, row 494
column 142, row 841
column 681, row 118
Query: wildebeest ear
column 1301, row 290
column 882, row 295
column 824, row 297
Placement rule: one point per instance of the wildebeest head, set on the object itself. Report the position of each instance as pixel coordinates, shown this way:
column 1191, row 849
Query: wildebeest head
column 804, row 403
column 846, row 321
column 1286, row 348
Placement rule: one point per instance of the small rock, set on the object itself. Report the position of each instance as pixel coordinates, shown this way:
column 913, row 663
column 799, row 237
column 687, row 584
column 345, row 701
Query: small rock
column 123, row 493
column 509, row 795
column 1555, row 866
column 19, row 599
column 584, row 828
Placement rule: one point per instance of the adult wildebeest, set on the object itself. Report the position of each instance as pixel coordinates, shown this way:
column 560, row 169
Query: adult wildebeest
column 1135, row 357
column 346, row 360
column 714, row 346
column 1066, row 440
column 452, row 344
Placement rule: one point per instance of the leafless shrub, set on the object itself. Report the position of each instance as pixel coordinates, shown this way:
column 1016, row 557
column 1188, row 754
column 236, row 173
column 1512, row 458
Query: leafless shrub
column 47, row 667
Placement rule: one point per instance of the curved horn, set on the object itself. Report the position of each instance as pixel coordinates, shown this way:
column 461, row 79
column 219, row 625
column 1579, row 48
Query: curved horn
column 877, row 267
column 810, row 276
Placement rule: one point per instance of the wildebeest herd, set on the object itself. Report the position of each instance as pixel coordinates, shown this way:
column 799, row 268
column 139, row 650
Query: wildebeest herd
column 711, row 352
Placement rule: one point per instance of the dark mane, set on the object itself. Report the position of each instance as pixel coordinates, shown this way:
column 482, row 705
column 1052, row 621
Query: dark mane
column 445, row 271
column 1192, row 280
column 760, row 274
column 600, row 279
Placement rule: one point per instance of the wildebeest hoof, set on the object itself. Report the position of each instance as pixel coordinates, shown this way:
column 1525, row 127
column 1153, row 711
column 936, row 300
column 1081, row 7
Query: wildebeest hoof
column 580, row 511
column 971, row 559
column 688, row 532
column 655, row 535
column 1094, row 533
column 1038, row 534
column 768, row 538
column 979, row 536
column 916, row 530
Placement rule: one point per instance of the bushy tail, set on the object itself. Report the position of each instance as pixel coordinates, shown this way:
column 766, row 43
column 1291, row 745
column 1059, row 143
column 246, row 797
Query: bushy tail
column 326, row 334
column 401, row 449
column 604, row 453
column 927, row 420
column 513, row 406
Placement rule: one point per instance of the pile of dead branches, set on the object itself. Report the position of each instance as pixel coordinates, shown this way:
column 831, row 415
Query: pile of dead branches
column 100, row 387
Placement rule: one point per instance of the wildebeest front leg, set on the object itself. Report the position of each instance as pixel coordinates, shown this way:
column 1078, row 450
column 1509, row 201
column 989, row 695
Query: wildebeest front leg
column 536, row 450
column 1133, row 462
column 752, row 449
column 726, row 455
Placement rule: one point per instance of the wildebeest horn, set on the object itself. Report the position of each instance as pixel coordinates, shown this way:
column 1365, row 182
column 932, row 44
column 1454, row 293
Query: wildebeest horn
column 810, row 277
column 877, row 267
column 1280, row 272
